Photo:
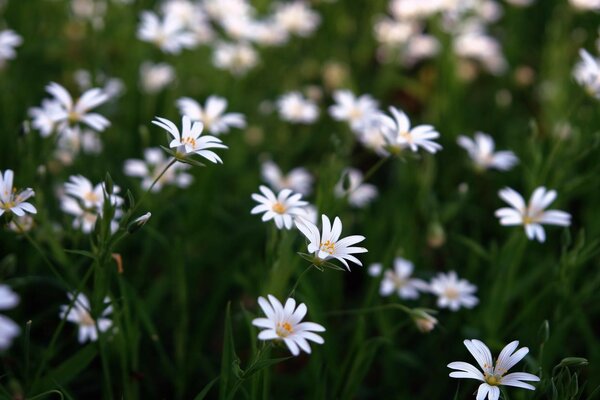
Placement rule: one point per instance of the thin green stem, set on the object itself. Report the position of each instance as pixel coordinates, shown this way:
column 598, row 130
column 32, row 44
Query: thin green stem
column 293, row 291
column 137, row 204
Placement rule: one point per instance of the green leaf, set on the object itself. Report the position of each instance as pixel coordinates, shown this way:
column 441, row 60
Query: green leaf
column 71, row 368
column 261, row 364
column 206, row 389
column 473, row 246
column 84, row 253
column 228, row 359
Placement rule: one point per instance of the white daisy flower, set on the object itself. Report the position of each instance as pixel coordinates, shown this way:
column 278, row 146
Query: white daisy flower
column 189, row 140
column 13, row 201
column 9, row 39
column 586, row 5
column 452, row 292
column 80, row 314
column 282, row 323
column 351, row 185
column 327, row 244
column 481, row 151
column 399, row 134
column 8, row 329
column 298, row 179
column 155, row 77
column 352, row 109
column 153, row 165
column 282, row 208
column 237, row 58
column 399, row 281
column 212, row 115
column 296, row 18
column 587, row 73
column 169, row 34
column 43, row 118
column 293, row 107
column 531, row 215
column 72, row 112
column 493, row 376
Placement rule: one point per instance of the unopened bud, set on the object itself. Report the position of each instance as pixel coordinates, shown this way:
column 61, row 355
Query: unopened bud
column 424, row 321
column 436, row 237
column 138, row 223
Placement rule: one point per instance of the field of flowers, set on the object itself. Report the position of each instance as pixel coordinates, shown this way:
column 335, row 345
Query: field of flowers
column 326, row 199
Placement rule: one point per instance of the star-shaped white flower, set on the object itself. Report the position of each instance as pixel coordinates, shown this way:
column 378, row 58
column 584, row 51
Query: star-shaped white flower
column 327, row 244
column 11, row 200
column 399, row 133
column 481, row 151
column 399, row 280
column 587, row 73
column 282, row 208
column 168, row 34
column 80, row 314
column 189, row 140
column 8, row 329
column 212, row 115
column 283, row 323
column 72, row 112
column 493, row 376
column 533, row 214
column 298, row 179
column 352, row 109
column 452, row 292
column 352, row 186
column 293, row 107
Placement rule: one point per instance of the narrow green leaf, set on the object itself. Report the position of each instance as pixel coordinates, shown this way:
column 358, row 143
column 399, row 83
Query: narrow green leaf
column 71, row 368
column 206, row 389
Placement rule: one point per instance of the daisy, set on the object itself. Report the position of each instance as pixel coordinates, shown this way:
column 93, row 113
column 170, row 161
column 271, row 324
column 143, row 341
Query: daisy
column 72, row 112
column 481, row 151
column 212, row 115
column 236, row 58
column 298, row 179
column 293, row 107
column 400, row 135
column 493, row 375
column 587, row 73
column 169, row 34
column 296, row 18
column 8, row 329
column 453, row 292
column 531, row 215
column 282, row 323
column 43, row 118
column 327, row 244
column 8, row 41
column 13, row 201
column 79, row 314
column 155, row 77
column 399, row 281
column 351, row 185
column 153, row 165
column 189, row 140
column 282, row 208
column 352, row 109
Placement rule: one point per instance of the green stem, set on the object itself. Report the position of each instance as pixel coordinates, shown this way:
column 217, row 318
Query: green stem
column 293, row 291
column 169, row 165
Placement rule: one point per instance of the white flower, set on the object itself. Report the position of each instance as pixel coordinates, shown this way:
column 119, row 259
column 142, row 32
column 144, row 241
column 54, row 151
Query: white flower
column 72, row 141
column 371, row 134
column 80, row 314
column 399, row 280
column 11, row 200
column 586, row 5
column 153, row 165
column 298, row 179
column 400, row 135
column 8, row 41
column 351, row 185
column 475, row 44
column 352, row 109
column 296, row 18
column 293, row 107
column 283, row 323
column 327, row 244
column 481, row 151
column 169, row 34
column 531, row 215
column 282, row 208
column 72, row 112
column 212, row 115
column 44, row 117
column 155, row 77
column 587, row 73
column 493, row 376
column 189, row 140
column 236, row 58
column 452, row 292
column 375, row 270
column 8, row 329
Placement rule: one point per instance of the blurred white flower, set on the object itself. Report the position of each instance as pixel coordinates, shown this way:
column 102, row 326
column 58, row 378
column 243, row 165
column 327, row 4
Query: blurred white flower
column 293, row 107
column 155, row 77
column 24, row 223
column 283, row 323
column 189, row 140
column 43, row 118
column 414, row 9
column 8, row 329
column 212, row 115
column 520, row 3
column 452, row 292
column 586, row 5
column 587, row 73
column 493, row 376
column 298, row 179
column 236, row 58
column 474, row 44
column 80, row 315
column 327, row 244
column 73, row 140
column 372, row 136
column 399, row 281
column 11, row 200
column 481, row 151
column 399, row 134
column 8, row 41
column 375, row 269
column 153, row 165
column 391, row 32
column 296, row 18
column 351, row 185
column 169, row 34
column 221, row 9
column 419, row 47
column 533, row 214
column 283, row 208
column 352, row 109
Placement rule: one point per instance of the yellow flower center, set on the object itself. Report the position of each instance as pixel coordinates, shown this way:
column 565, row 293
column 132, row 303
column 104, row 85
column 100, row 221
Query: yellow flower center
column 86, row 319
column 406, row 135
column 493, row 380
column 189, row 141
column 91, row 197
column 328, row 247
column 278, row 208
column 73, row 117
column 284, row 329
column 451, row 293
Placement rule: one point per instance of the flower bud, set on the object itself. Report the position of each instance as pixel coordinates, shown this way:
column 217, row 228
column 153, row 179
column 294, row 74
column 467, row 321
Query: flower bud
column 138, row 223
column 424, row 321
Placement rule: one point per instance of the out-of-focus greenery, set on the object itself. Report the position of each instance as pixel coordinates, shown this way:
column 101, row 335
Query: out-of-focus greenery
column 202, row 250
